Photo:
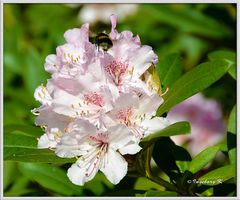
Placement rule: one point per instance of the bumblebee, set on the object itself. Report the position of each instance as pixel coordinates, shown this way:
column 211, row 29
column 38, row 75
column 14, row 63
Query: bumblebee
column 103, row 41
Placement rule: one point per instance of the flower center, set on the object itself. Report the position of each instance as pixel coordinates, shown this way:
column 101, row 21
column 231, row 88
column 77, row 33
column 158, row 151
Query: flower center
column 100, row 139
column 127, row 117
column 116, row 70
column 123, row 115
column 101, row 142
column 94, row 98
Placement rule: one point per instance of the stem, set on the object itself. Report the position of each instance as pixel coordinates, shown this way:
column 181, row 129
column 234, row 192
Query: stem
column 156, row 179
column 162, row 182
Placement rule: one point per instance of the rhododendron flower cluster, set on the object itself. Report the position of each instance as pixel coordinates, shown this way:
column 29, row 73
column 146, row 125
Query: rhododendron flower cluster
column 96, row 106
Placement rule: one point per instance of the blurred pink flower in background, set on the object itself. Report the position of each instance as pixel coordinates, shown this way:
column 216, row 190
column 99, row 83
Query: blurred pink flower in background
column 207, row 123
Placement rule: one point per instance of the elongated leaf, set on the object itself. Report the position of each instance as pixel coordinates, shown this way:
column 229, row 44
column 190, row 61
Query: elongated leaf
column 34, row 73
column 9, row 171
column 99, row 185
column 32, row 131
column 188, row 20
column 182, row 165
column 218, row 175
column 166, row 153
column 231, row 147
column 202, row 159
column 231, row 141
column 233, row 156
column 33, row 155
column 19, row 187
column 228, row 56
column 193, row 82
column 232, row 125
column 23, row 148
column 174, row 129
column 50, row 177
column 142, row 183
column 169, row 69
column 18, row 140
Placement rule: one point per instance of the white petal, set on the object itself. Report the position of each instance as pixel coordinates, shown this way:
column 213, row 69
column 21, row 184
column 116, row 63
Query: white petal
column 78, row 174
column 149, row 104
column 155, row 124
column 82, row 128
column 114, row 34
column 42, row 95
column 119, row 136
column 79, row 37
column 127, row 100
column 114, row 166
column 51, row 63
column 144, row 57
column 131, row 148
column 45, row 142
column 51, row 119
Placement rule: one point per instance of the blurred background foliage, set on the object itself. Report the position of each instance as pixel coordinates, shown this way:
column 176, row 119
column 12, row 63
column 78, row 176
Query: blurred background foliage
column 33, row 31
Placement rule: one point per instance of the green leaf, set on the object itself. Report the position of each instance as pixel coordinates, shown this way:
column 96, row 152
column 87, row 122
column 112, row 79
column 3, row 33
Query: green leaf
column 203, row 158
column 154, row 193
column 233, row 71
column 142, row 183
column 19, row 187
column 228, row 56
column 18, row 147
column 231, row 141
column 193, row 82
column 232, row 126
column 34, row 73
column 9, row 171
column 233, row 156
column 99, row 185
column 169, row 69
column 182, row 165
column 218, row 175
column 50, row 177
column 166, row 154
column 174, row 129
column 19, row 140
column 33, row 155
column 231, row 147
column 187, row 19
column 32, row 131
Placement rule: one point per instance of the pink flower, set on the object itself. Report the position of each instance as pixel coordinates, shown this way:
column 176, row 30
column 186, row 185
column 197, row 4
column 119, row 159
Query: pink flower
column 137, row 114
column 97, row 150
column 205, row 116
column 96, row 106
column 73, row 57
column 127, row 60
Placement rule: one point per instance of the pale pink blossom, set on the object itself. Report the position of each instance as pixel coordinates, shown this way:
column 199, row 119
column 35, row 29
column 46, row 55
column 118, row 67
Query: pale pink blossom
column 127, row 60
column 96, row 106
column 206, row 119
column 97, row 150
column 137, row 113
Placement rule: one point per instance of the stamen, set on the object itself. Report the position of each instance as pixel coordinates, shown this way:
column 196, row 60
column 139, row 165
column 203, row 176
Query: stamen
column 102, row 145
column 94, row 98
column 123, row 115
column 116, row 70
column 165, row 92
